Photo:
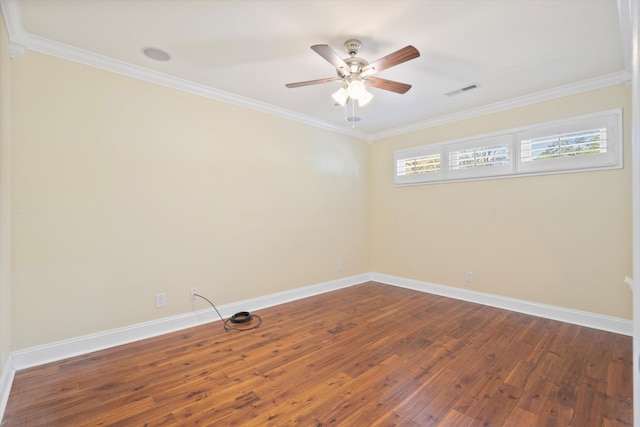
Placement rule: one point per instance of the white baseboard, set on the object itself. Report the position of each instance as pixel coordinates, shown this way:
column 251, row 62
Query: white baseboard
column 35, row 356
column 39, row 355
column 89, row 343
column 6, row 381
column 582, row 318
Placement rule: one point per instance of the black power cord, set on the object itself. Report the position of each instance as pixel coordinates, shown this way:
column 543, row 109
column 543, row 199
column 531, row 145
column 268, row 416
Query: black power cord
column 238, row 318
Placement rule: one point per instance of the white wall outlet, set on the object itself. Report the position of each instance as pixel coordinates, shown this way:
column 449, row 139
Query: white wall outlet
column 193, row 293
column 469, row 276
column 339, row 266
column 161, row 300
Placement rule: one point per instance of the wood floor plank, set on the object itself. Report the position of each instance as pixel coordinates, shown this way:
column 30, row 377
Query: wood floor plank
column 536, row 393
column 590, row 402
column 367, row 355
column 620, row 379
column 560, row 404
column 519, row 417
column 618, row 412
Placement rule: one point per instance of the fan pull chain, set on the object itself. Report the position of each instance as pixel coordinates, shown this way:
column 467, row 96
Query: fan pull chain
column 353, row 114
column 345, row 109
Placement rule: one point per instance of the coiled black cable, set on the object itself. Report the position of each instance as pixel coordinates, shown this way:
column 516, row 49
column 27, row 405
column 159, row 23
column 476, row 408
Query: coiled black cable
column 238, row 318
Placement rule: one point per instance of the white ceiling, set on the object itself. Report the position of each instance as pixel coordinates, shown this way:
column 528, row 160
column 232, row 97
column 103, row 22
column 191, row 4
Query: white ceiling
column 244, row 51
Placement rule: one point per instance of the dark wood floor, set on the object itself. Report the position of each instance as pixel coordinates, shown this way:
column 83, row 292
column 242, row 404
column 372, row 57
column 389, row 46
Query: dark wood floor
column 368, row 355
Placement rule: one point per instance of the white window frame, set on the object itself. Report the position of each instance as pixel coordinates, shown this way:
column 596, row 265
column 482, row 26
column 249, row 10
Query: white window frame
column 610, row 122
column 477, row 171
column 611, row 159
column 418, row 178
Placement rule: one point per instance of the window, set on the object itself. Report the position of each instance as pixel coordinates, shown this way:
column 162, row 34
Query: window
column 468, row 158
column 480, row 157
column 580, row 143
column 419, row 165
column 422, row 164
column 593, row 141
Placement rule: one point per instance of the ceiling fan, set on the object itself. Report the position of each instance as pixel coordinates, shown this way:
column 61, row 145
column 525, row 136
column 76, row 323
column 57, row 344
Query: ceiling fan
column 356, row 73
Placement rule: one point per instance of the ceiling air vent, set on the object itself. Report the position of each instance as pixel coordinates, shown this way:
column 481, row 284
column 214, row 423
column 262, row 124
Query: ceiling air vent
column 462, row 90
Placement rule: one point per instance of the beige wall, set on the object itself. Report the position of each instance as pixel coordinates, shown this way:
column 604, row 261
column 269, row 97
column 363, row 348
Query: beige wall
column 5, row 199
column 563, row 240
column 123, row 189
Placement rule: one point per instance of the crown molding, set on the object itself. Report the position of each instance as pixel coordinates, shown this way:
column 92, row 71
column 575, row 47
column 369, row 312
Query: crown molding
column 20, row 41
column 625, row 21
column 64, row 51
column 60, row 50
column 15, row 32
column 619, row 77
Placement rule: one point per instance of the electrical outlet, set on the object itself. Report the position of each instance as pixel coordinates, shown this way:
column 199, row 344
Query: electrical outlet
column 339, row 266
column 469, row 276
column 161, row 300
column 193, row 293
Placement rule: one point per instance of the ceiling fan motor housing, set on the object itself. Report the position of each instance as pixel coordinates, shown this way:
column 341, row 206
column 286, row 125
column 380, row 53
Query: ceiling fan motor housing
column 356, row 70
column 352, row 46
column 355, row 65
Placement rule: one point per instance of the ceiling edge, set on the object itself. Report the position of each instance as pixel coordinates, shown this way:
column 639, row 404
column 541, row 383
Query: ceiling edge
column 15, row 31
column 624, row 19
column 20, row 41
column 606, row 80
column 61, row 50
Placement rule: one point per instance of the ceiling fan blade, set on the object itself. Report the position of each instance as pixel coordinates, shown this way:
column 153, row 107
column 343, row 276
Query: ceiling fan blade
column 398, row 57
column 333, row 58
column 312, row 82
column 390, row 85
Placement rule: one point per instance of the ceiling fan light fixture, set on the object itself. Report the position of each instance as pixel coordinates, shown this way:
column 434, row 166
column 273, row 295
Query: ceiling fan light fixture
column 340, row 96
column 365, row 98
column 356, row 89
column 352, row 72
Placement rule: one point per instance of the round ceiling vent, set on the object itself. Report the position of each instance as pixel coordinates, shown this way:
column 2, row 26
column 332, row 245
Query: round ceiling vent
column 156, row 54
